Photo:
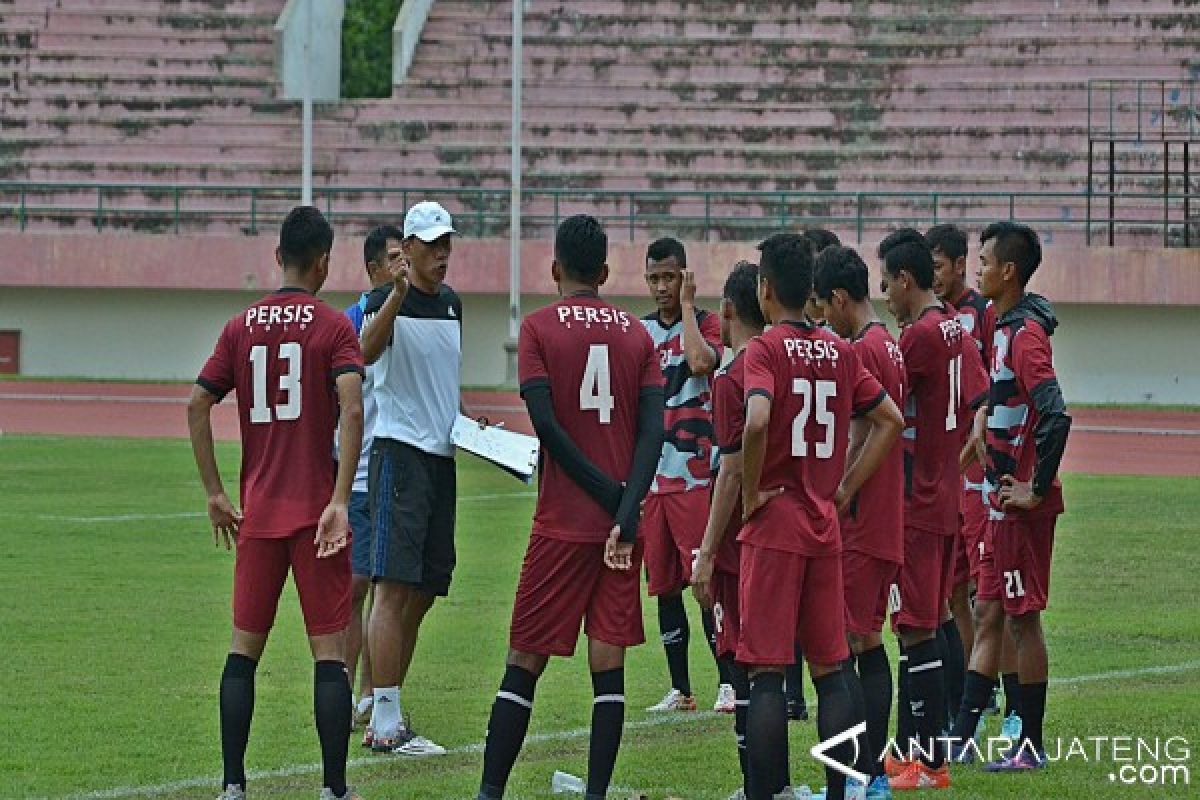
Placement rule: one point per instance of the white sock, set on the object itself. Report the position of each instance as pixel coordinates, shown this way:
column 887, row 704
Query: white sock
column 365, row 702
column 385, row 716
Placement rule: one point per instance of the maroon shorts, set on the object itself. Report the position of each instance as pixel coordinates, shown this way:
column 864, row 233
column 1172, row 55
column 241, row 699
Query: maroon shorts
column 672, row 527
column 960, row 564
column 924, row 579
column 564, row 583
column 725, row 612
column 868, row 584
column 787, row 600
column 974, row 526
column 1016, row 564
column 262, row 567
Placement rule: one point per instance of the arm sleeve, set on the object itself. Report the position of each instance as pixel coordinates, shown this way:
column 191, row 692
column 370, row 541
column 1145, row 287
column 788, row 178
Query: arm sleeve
column 600, row 487
column 1034, row 367
column 645, row 460
column 217, row 375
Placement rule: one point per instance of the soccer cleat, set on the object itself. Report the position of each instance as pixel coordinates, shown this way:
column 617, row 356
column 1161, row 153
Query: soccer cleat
column 414, row 746
column 675, row 700
column 879, row 789
column 726, row 699
column 327, row 794
column 1011, row 727
column 919, row 776
column 740, row 794
column 963, row 752
column 1023, row 760
column 797, row 710
column 232, row 792
column 892, row 765
column 853, row 791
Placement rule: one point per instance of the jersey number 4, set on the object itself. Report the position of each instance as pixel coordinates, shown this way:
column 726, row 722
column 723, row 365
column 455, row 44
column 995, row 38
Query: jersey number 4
column 823, row 391
column 595, row 391
column 289, row 383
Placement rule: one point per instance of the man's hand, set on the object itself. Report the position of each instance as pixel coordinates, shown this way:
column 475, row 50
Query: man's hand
column 618, row 555
column 687, row 291
column 333, row 530
column 702, row 573
column 752, row 503
column 225, row 520
column 396, row 270
column 1017, row 495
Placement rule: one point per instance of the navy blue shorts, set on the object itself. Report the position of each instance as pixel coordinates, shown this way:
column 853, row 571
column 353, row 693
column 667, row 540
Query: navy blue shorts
column 360, row 531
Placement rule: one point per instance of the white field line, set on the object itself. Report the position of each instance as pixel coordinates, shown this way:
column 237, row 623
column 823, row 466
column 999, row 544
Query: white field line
column 195, row 514
column 96, row 398
column 155, row 790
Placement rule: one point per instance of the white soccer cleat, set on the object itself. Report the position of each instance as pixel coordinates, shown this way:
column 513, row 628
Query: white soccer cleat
column 726, row 699
column 232, row 792
column 675, row 700
column 414, row 746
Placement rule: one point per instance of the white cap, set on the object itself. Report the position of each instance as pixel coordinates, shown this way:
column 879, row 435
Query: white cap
column 427, row 221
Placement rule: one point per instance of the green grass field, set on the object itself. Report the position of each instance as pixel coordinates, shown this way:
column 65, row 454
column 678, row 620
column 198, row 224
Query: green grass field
column 114, row 621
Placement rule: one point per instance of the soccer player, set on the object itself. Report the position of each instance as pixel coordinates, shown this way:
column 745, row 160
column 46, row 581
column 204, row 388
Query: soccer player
column 1026, row 433
column 715, row 577
column 688, row 343
column 803, row 384
column 873, row 524
column 382, row 246
column 591, row 382
column 412, row 334
column 943, row 367
column 297, row 370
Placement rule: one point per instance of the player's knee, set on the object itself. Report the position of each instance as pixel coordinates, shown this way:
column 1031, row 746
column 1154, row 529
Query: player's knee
column 1024, row 626
column 530, row 662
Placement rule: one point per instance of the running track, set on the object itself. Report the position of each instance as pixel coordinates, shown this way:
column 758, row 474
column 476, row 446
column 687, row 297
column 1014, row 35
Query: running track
column 1111, row 442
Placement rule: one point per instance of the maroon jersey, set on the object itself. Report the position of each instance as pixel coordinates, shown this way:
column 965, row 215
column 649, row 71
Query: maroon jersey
column 945, row 377
column 688, row 455
column 1022, row 360
column 978, row 318
column 596, row 359
column 282, row 356
column 815, row 382
column 729, row 420
column 874, row 522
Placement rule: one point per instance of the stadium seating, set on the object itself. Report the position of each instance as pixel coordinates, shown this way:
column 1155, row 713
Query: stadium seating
column 707, row 97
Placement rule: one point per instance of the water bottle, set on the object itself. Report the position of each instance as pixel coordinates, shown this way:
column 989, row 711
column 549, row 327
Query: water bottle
column 566, row 783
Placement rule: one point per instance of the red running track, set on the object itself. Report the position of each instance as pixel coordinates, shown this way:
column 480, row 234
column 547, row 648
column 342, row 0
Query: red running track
column 1103, row 441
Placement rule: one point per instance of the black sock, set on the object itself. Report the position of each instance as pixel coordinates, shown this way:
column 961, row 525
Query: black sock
column 506, row 729
column 333, row 707
column 1033, row 713
column 866, row 755
column 608, row 715
column 673, row 627
column 741, row 691
column 875, row 674
column 977, row 693
column 905, row 727
column 709, row 620
column 927, row 698
column 955, row 662
column 1012, row 693
column 237, row 707
column 794, row 677
column 766, row 736
column 835, row 714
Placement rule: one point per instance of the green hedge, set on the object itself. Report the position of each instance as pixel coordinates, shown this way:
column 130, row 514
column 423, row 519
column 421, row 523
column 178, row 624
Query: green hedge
column 367, row 47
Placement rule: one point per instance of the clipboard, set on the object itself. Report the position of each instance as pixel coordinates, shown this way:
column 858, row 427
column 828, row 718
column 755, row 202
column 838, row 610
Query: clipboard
column 515, row 453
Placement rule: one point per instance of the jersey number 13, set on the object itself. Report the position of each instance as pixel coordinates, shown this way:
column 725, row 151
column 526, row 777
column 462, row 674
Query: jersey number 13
column 289, row 383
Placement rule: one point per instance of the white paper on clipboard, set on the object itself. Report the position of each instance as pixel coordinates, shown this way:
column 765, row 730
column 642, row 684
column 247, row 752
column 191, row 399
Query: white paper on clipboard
column 515, row 453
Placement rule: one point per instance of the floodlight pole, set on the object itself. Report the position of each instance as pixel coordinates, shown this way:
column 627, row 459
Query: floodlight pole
column 514, row 234
column 306, row 122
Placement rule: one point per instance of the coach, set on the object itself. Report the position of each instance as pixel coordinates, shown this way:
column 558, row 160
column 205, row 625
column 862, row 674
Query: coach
column 412, row 334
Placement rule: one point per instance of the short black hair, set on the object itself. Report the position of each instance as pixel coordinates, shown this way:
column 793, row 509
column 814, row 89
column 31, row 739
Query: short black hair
column 787, row 262
column 821, row 238
column 906, row 249
column 841, row 268
column 1016, row 243
column 581, row 247
column 950, row 239
column 741, row 289
column 304, row 237
column 666, row 247
column 375, row 246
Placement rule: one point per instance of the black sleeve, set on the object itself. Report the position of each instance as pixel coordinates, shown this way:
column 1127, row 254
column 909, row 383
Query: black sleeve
column 1050, row 435
column 645, row 461
column 600, row 487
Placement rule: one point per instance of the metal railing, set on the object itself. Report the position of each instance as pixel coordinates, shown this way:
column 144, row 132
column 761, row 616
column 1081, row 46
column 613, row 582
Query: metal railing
column 1143, row 109
column 483, row 212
